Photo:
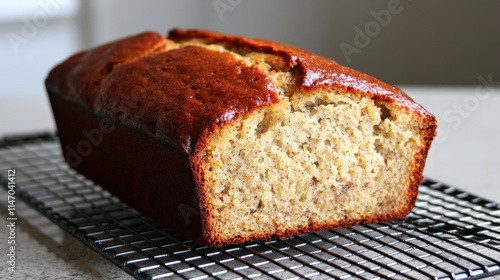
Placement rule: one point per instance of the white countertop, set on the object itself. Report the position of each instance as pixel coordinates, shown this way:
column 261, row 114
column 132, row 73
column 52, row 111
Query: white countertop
column 466, row 154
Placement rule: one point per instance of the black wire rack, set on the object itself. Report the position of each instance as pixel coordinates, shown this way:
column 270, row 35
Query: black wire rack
column 450, row 234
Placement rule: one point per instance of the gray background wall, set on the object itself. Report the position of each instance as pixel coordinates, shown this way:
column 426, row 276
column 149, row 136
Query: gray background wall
column 424, row 42
column 448, row 42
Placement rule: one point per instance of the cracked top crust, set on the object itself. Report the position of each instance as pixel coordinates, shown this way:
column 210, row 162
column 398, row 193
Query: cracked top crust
column 177, row 92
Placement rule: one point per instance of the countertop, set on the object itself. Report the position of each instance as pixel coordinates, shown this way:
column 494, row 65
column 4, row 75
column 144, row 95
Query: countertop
column 465, row 154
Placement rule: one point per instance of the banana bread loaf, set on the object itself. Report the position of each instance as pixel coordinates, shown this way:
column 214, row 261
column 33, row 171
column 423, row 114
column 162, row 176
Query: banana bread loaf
column 226, row 139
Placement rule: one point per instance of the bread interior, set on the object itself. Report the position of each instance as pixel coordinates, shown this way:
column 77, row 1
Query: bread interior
column 311, row 160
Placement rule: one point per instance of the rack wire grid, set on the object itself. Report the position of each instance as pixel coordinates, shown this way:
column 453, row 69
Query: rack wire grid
column 450, row 234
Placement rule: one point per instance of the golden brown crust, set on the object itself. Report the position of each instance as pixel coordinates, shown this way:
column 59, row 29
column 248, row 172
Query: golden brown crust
column 173, row 96
column 176, row 95
column 313, row 72
column 79, row 77
column 157, row 94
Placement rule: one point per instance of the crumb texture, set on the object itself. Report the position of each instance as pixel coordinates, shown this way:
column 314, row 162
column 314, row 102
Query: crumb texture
column 311, row 159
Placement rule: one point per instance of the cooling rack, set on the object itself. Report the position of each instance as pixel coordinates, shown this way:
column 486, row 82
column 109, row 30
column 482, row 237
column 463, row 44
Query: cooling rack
column 450, row 234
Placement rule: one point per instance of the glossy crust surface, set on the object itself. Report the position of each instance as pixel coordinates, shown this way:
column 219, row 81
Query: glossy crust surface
column 165, row 102
column 313, row 72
